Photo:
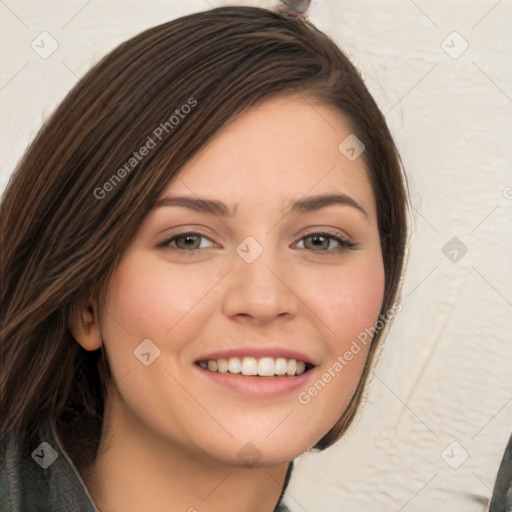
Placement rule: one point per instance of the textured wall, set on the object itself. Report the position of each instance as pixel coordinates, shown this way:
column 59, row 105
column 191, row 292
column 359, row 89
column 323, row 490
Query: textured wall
column 439, row 411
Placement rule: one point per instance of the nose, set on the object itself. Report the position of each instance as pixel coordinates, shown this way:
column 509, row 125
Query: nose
column 261, row 290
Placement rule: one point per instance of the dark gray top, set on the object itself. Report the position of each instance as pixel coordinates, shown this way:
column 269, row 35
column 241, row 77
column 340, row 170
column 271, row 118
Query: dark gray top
column 501, row 500
column 43, row 478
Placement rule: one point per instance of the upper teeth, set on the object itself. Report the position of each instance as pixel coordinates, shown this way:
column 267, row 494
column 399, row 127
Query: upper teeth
column 264, row 366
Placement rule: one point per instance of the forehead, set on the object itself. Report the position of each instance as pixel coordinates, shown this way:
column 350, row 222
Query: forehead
column 281, row 148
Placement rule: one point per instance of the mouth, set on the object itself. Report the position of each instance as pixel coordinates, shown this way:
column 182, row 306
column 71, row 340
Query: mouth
column 256, row 367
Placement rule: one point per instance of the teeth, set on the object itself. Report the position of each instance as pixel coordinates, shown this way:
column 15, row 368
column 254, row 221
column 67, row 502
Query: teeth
column 264, row 366
column 280, row 366
column 235, row 365
column 291, row 367
column 222, row 365
column 249, row 366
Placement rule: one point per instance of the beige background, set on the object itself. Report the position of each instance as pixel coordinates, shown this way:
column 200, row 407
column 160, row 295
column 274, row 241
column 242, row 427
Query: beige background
column 443, row 388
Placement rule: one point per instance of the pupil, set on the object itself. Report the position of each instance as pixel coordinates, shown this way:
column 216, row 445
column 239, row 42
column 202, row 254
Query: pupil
column 318, row 241
column 189, row 240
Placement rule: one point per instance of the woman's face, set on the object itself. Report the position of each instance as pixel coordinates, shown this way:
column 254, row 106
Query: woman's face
column 266, row 276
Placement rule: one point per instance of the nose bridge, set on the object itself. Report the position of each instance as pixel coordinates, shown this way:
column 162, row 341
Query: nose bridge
column 254, row 263
column 258, row 282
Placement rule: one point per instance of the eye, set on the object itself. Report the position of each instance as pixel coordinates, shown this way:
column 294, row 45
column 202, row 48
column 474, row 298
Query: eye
column 186, row 242
column 324, row 242
column 315, row 242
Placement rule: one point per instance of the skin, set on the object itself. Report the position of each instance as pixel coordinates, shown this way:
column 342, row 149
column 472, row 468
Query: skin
column 172, row 435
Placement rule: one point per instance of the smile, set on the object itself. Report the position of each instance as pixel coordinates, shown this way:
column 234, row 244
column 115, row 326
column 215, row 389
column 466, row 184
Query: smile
column 252, row 366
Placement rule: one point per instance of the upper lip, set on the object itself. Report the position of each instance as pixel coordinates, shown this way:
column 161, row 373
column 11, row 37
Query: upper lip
column 258, row 351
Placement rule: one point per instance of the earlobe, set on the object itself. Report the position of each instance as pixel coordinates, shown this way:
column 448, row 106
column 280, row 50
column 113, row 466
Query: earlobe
column 84, row 324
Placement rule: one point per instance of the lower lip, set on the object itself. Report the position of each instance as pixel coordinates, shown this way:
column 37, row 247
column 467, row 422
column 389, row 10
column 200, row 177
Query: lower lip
column 259, row 386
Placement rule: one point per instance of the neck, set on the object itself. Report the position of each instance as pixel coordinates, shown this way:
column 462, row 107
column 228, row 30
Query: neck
column 135, row 471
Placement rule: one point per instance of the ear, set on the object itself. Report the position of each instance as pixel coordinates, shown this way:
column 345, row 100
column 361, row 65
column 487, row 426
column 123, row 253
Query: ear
column 84, row 324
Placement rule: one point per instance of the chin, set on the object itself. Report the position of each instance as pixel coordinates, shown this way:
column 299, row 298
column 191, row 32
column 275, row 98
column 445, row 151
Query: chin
column 258, row 451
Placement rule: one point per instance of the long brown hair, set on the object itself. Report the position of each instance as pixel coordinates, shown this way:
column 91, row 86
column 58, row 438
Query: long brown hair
column 80, row 193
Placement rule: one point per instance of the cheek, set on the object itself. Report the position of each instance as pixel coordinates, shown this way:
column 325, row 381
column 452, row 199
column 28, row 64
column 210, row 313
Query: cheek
column 147, row 298
column 349, row 306
column 351, row 300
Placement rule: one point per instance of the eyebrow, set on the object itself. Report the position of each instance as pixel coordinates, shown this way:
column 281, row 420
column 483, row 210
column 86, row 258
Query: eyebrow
column 307, row 204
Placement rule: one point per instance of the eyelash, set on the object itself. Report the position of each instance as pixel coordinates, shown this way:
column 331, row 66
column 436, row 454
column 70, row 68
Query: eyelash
column 343, row 242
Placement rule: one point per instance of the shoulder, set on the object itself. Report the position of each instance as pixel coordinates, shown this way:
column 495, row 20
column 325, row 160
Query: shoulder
column 15, row 476
column 36, row 476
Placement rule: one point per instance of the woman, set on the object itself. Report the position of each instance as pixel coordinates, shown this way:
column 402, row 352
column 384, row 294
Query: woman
column 202, row 248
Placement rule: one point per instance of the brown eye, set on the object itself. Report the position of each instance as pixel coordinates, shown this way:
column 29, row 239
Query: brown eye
column 325, row 242
column 186, row 242
column 317, row 242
